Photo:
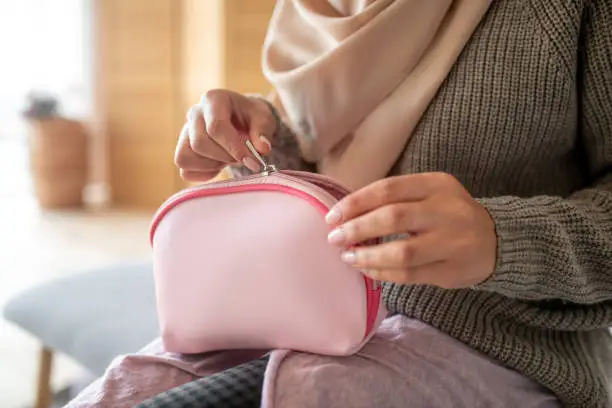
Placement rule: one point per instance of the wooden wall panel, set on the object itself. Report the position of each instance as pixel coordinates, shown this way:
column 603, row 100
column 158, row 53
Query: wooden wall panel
column 246, row 25
column 202, row 47
column 155, row 59
column 222, row 41
column 139, row 76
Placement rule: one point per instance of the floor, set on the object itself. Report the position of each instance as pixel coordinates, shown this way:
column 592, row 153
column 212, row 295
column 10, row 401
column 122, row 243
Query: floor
column 36, row 246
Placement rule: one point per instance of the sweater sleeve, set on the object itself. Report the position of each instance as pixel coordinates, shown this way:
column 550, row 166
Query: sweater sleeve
column 286, row 154
column 561, row 248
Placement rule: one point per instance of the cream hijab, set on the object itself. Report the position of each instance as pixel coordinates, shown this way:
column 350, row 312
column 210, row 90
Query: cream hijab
column 353, row 77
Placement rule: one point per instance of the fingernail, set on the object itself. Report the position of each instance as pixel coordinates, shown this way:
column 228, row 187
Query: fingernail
column 349, row 257
column 251, row 164
column 265, row 141
column 337, row 236
column 334, row 216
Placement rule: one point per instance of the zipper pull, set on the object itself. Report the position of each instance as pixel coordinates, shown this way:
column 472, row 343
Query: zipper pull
column 266, row 168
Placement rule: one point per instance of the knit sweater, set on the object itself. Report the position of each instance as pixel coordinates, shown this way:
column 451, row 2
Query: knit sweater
column 524, row 121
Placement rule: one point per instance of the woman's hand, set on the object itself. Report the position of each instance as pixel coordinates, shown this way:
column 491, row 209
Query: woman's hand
column 216, row 131
column 449, row 238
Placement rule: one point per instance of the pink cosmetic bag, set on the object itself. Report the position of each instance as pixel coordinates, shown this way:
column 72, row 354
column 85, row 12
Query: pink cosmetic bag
column 245, row 264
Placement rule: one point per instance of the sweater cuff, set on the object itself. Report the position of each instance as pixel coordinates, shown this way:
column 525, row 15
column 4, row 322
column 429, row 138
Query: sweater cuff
column 516, row 224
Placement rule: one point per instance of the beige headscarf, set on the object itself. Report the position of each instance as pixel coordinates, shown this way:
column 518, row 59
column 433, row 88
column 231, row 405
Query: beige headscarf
column 354, row 77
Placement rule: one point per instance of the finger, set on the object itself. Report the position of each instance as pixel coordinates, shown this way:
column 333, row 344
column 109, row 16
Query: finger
column 400, row 254
column 185, row 158
column 261, row 142
column 199, row 175
column 414, row 187
column 218, row 109
column 262, row 125
column 387, row 220
column 199, row 140
column 436, row 274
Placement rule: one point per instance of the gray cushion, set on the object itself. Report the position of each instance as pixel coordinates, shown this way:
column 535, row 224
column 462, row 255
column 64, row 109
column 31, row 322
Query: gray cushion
column 92, row 317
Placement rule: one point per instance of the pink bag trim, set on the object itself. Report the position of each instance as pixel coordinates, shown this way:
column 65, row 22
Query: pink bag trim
column 372, row 290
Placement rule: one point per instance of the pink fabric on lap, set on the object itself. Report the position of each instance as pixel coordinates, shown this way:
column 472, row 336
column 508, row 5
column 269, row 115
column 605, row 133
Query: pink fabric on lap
column 406, row 364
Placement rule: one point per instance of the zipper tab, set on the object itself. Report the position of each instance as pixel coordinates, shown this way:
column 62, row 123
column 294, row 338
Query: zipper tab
column 266, row 168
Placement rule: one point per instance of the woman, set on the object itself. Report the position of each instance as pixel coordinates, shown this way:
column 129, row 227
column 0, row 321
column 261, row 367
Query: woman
column 477, row 134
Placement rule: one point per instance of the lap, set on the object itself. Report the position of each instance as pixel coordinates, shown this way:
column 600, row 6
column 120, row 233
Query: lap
column 407, row 364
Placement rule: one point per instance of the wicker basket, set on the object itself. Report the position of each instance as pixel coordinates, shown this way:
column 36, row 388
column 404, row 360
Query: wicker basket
column 58, row 161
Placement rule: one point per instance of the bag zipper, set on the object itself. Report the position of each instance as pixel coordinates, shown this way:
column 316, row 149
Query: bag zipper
column 266, row 168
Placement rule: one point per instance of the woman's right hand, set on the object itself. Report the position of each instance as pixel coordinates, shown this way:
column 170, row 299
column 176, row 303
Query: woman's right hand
column 216, row 132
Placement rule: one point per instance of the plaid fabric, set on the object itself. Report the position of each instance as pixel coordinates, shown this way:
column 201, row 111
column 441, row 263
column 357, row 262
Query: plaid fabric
column 236, row 387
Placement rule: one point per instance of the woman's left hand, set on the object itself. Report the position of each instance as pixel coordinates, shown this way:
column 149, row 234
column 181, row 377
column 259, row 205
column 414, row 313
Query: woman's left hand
column 449, row 238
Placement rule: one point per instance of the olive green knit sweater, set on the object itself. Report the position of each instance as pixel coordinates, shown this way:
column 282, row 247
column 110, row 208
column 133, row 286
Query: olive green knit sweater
column 524, row 121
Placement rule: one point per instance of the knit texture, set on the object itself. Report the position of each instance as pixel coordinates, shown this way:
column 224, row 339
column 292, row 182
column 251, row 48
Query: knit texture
column 524, row 121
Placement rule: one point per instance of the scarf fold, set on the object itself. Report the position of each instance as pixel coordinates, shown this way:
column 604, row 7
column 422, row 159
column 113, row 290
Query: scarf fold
column 353, row 77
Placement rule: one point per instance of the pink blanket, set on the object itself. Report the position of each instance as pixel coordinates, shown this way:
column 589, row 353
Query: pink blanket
column 407, row 363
